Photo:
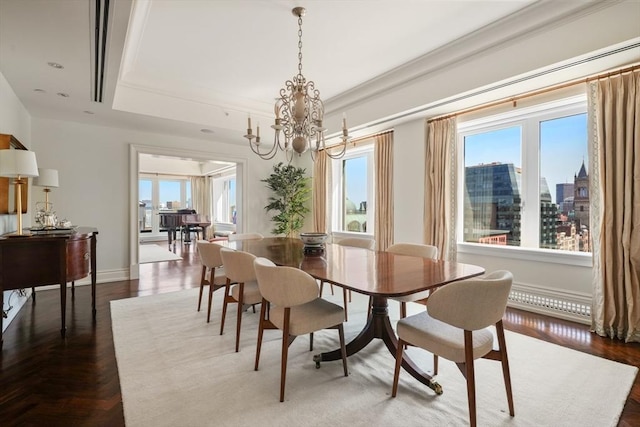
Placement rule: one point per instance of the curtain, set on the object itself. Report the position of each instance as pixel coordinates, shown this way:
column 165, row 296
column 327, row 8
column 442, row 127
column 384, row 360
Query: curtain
column 615, row 193
column 440, row 187
column 201, row 196
column 383, row 157
column 320, row 192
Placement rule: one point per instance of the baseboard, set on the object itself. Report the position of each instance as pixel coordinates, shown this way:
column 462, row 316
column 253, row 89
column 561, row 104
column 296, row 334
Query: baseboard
column 562, row 304
column 104, row 276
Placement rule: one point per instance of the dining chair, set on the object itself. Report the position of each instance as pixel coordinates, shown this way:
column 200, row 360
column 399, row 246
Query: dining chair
column 238, row 267
column 356, row 242
column 245, row 236
column 291, row 302
column 211, row 260
column 457, row 326
column 412, row 249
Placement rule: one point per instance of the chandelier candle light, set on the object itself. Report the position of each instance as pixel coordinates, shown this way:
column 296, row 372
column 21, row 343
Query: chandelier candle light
column 299, row 117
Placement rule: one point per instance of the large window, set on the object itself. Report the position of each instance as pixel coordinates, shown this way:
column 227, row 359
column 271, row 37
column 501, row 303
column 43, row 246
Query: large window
column 525, row 181
column 161, row 194
column 353, row 192
column 224, row 199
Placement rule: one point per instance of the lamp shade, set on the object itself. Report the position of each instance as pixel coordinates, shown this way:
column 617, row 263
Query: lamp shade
column 46, row 178
column 18, row 163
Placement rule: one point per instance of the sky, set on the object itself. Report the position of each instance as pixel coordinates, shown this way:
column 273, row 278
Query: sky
column 563, row 147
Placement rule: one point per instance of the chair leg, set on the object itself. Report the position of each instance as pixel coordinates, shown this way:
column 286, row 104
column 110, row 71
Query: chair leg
column 505, row 365
column 224, row 305
column 263, row 313
column 285, row 352
column 470, row 376
column 435, row 364
column 344, row 299
column 202, row 281
column 321, row 287
column 209, row 302
column 311, row 341
column 396, row 372
column 343, row 349
column 403, row 309
column 239, row 318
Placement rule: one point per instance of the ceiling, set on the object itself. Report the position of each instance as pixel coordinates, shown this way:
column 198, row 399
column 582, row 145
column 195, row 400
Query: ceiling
column 197, row 68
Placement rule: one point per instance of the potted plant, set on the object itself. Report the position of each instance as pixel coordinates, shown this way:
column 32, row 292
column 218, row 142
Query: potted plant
column 291, row 193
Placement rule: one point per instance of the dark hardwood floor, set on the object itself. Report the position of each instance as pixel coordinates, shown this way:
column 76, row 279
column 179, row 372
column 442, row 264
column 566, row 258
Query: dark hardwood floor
column 49, row 381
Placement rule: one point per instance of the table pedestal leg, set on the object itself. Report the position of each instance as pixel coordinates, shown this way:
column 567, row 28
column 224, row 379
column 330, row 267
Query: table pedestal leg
column 379, row 326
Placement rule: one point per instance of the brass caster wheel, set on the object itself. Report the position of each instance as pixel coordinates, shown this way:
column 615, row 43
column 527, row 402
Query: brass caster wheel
column 317, row 358
column 435, row 387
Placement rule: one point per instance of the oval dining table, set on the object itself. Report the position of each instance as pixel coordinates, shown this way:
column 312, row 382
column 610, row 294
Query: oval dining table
column 378, row 274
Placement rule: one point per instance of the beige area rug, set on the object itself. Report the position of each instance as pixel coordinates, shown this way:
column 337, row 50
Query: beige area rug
column 176, row 370
column 154, row 253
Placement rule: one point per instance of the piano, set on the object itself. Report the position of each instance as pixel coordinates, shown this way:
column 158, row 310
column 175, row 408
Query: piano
column 186, row 221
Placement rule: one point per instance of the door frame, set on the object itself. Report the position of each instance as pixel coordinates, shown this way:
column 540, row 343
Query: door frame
column 134, row 169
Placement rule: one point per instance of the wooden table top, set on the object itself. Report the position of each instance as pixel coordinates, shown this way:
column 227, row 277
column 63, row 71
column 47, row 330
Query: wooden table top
column 361, row 270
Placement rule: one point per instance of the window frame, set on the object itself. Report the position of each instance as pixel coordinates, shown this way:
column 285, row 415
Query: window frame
column 364, row 150
column 222, row 183
column 529, row 118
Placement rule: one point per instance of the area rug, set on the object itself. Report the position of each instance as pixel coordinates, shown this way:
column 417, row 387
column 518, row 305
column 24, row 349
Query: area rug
column 154, row 253
column 177, row 370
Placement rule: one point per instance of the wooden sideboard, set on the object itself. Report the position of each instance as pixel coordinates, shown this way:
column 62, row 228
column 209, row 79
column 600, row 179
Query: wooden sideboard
column 48, row 259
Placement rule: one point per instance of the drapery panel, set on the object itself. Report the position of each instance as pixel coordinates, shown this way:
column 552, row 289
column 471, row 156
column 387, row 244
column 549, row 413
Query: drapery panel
column 201, row 196
column 615, row 110
column 440, row 186
column 319, row 190
column 383, row 157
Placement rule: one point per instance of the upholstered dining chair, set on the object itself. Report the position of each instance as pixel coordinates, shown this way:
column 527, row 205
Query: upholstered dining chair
column 413, row 249
column 456, row 326
column 245, row 236
column 238, row 267
column 291, row 302
column 356, row 242
column 211, row 260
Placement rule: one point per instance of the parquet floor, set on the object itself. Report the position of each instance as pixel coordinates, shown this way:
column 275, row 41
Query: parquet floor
column 48, row 381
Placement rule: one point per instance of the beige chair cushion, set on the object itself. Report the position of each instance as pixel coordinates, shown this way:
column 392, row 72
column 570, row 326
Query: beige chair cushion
column 285, row 286
column 238, row 265
column 219, row 277
column 251, row 293
column 357, row 242
column 441, row 338
column 209, row 253
column 309, row 317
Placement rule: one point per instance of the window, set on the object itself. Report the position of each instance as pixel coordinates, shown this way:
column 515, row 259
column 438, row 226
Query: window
column 353, row 191
column 161, row 194
column 524, row 179
column 224, row 199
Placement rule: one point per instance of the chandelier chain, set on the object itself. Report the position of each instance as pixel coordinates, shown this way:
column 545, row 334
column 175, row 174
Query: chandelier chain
column 300, row 45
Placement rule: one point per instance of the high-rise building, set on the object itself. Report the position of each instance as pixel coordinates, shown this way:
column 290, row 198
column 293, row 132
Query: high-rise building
column 564, row 192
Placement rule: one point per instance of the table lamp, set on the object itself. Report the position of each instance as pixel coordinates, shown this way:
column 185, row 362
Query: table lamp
column 18, row 164
column 47, row 178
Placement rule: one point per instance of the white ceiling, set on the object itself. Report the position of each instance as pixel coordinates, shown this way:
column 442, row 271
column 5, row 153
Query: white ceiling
column 179, row 66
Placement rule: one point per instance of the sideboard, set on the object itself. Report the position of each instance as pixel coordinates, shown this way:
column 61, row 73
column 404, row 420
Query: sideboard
column 49, row 258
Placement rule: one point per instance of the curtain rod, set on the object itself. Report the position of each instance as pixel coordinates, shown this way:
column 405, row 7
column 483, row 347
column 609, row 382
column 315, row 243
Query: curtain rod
column 354, row 141
column 516, row 98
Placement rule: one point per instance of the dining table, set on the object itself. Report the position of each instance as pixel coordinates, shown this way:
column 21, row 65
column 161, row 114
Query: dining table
column 380, row 275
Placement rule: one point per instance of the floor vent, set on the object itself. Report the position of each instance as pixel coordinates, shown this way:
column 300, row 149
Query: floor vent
column 578, row 311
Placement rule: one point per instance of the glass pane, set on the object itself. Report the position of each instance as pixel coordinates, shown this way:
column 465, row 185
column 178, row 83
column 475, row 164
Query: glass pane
column 232, row 200
column 169, row 195
column 145, row 204
column 492, row 194
column 564, row 184
column 355, row 194
column 189, row 196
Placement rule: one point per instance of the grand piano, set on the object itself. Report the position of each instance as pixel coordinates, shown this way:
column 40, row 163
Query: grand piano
column 186, row 221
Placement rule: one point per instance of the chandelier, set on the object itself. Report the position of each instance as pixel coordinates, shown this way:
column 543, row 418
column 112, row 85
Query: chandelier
column 299, row 117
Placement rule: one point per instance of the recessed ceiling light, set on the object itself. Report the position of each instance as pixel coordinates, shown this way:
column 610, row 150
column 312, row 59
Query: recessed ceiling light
column 206, row 131
column 88, row 112
column 62, row 94
column 39, row 90
column 55, row 65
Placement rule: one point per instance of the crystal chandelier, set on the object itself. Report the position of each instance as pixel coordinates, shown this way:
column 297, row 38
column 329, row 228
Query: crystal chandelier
column 299, row 117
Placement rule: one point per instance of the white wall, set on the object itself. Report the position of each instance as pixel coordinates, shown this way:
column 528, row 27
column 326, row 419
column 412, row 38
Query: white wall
column 14, row 120
column 93, row 164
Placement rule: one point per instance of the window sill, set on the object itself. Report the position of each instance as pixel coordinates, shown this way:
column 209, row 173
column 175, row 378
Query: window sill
column 581, row 259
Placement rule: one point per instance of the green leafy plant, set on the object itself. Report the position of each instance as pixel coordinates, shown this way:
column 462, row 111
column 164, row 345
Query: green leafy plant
column 291, row 194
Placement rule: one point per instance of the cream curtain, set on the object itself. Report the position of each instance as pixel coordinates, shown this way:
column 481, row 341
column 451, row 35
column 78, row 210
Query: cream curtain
column 319, row 189
column 440, row 187
column 615, row 193
column 383, row 157
column 201, row 196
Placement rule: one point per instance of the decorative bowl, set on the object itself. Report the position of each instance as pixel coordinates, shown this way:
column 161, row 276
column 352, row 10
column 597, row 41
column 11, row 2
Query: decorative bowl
column 313, row 239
